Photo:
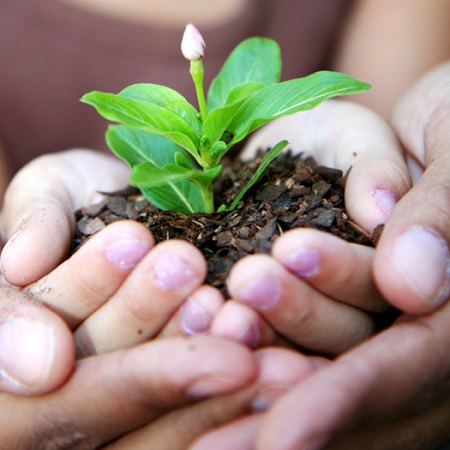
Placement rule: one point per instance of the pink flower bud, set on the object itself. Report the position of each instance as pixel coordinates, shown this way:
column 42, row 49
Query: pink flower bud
column 192, row 44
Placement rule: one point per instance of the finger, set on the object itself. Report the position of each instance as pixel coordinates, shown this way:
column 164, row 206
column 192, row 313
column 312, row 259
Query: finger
column 296, row 310
column 345, row 135
column 412, row 264
column 240, row 323
column 427, row 429
column 38, row 218
column 334, row 267
column 239, row 435
column 189, row 423
column 146, row 301
column 146, row 381
column 278, row 371
column 366, row 383
column 83, row 283
column 196, row 314
column 36, row 349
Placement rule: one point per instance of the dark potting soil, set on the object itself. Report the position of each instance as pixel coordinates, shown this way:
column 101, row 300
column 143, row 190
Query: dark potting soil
column 293, row 192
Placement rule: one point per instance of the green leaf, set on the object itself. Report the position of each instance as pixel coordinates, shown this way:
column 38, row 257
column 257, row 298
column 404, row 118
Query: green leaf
column 135, row 146
column 167, row 189
column 168, row 120
column 181, row 159
column 253, row 60
column 218, row 119
column 138, row 147
column 167, row 98
column 242, row 91
column 175, row 172
column 207, row 176
column 147, row 175
column 290, row 97
column 183, row 197
column 175, row 168
column 268, row 158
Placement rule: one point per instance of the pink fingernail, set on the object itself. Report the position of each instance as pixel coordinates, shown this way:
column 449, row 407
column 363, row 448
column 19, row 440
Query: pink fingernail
column 262, row 294
column 126, row 251
column 268, row 396
column 172, row 273
column 194, row 318
column 385, row 200
column 304, row 263
column 251, row 336
column 211, row 385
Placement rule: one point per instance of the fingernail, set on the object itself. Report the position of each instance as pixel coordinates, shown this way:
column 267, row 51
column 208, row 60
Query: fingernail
column 251, row 336
column 262, row 294
column 303, row 263
column 267, row 396
column 126, row 251
column 172, row 273
column 385, row 200
column 194, row 318
column 27, row 351
column 211, row 385
column 422, row 257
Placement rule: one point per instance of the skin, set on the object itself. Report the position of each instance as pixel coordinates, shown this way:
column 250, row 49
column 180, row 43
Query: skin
column 340, row 291
column 403, row 391
column 26, row 278
column 83, row 414
column 198, row 413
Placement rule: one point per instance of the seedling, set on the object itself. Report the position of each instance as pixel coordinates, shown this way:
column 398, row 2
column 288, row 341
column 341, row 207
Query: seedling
column 175, row 150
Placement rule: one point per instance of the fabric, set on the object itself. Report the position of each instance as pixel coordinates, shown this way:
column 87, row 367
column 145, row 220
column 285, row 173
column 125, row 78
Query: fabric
column 52, row 53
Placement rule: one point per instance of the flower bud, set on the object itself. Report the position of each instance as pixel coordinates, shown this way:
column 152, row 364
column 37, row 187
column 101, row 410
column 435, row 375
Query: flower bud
column 192, row 44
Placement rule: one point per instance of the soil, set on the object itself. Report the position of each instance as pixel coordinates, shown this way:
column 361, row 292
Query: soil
column 293, row 192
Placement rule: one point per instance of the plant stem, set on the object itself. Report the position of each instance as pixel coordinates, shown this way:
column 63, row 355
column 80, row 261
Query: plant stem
column 197, row 72
column 208, row 197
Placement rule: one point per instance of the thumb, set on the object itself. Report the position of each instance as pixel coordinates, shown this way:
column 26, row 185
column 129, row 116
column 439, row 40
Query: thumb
column 38, row 215
column 36, row 348
column 412, row 263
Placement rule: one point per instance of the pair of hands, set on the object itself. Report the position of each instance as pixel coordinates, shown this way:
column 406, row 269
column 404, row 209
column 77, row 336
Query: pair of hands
column 154, row 383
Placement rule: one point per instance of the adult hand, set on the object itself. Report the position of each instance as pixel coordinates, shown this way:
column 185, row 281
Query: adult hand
column 392, row 390
column 412, row 262
column 278, row 370
column 113, row 394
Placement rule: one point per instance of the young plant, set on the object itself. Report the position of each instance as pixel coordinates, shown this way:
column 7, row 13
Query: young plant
column 175, row 151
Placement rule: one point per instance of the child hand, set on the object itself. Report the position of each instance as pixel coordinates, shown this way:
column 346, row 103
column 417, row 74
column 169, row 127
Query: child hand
column 118, row 289
column 317, row 290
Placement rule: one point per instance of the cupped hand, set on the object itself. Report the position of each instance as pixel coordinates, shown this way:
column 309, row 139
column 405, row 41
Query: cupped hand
column 278, row 371
column 345, row 135
column 118, row 289
column 118, row 392
column 412, row 262
column 392, row 390
column 38, row 219
column 315, row 289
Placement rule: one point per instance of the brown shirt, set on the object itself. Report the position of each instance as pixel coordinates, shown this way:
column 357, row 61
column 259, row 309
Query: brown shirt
column 51, row 53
